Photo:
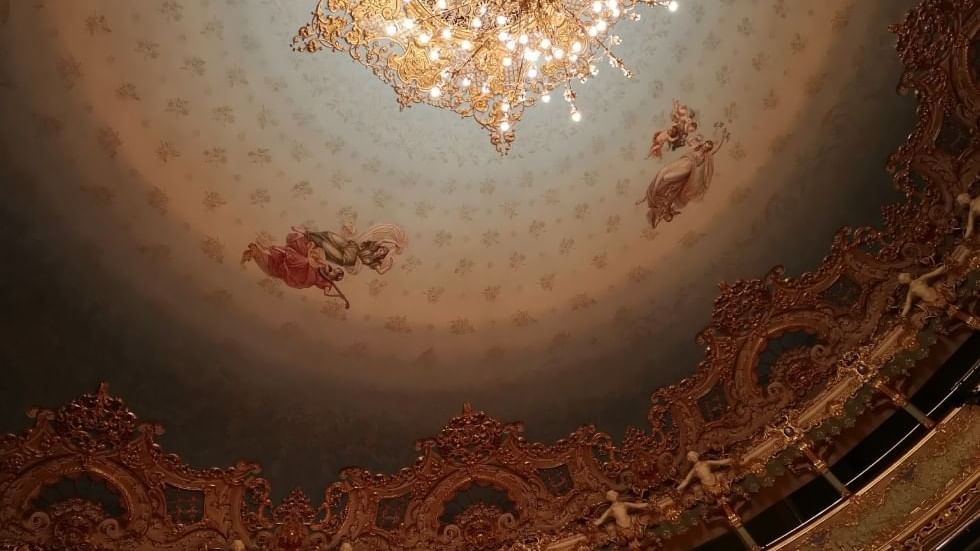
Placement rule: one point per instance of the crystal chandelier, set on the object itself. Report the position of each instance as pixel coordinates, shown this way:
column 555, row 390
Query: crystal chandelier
column 487, row 60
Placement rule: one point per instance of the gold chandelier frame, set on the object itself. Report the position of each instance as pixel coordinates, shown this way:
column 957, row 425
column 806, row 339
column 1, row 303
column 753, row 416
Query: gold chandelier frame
column 434, row 52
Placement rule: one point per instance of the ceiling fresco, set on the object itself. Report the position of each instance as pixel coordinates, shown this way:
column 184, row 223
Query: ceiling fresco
column 220, row 217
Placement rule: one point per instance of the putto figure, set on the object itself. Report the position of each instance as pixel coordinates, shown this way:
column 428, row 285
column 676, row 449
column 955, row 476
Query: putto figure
column 625, row 524
column 682, row 125
column 934, row 297
column 972, row 205
column 321, row 259
column 703, row 469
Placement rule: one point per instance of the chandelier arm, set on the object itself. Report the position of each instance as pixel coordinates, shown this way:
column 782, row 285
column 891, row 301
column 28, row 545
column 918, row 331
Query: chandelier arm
column 520, row 74
column 455, row 8
column 547, row 30
column 468, row 60
column 584, row 30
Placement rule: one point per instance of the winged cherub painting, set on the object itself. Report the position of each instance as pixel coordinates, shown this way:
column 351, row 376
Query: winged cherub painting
column 682, row 124
column 322, row 259
column 687, row 178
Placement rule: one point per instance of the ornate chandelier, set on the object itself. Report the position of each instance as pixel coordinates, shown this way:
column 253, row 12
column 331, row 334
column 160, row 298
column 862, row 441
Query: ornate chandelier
column 488, row 60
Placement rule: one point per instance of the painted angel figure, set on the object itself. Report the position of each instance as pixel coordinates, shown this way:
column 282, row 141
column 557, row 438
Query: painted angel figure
column 660, row 139
column 374, row 248
column 680, row 112
column 682, row 124
column 682, row 181
column 684, row 118
column 322, row 259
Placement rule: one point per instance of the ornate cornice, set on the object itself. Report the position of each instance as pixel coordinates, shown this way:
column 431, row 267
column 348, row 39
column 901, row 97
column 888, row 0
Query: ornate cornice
column 788, row 362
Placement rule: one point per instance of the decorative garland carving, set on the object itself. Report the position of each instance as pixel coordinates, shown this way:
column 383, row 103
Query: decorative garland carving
column 845, row 315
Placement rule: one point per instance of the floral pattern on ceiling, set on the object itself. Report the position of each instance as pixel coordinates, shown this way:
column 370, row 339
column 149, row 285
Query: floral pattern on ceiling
column 190, row 129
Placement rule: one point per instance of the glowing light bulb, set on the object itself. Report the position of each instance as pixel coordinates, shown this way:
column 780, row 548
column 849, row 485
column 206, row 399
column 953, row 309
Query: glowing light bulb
column 424, row 38
column 546, row 98
column 577, row 47
column 597, row 6
column 466, row 82
column 523, row 39
column 507, row 61
column 593, row 31
column 447, row 34
column 504, row 126
column 483, row 9
column 434, row 54
column 435, row 92
column 466, row 45
column 505, row 107
column 673, row 6
column 602, row 25
column 531, row 55
column 441, row 4
column 612, row 4
column 576, row 116
column 532, row 73
column 501, row 20
column 391, row 29
column 558, row 53
column 511, row 45
column 545, row 44
column 476, row 23
column 573, row 58
column 503, row 36
column 408, row 24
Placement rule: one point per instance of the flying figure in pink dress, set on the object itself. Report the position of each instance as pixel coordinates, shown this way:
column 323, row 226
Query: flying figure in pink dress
column 322, row 259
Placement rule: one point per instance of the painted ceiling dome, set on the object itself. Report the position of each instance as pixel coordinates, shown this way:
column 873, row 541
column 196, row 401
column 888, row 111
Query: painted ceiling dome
column 150, row 144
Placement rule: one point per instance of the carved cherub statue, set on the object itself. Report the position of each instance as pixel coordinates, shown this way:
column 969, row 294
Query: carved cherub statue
column 973, row 209
column 346, row 546
column 701, row 469
column 620, row 511
column 237, row 545
column 919, row 288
